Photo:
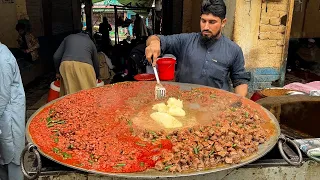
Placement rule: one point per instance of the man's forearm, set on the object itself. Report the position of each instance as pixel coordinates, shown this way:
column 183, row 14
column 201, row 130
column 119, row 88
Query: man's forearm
column 152, row 38
column 242, row 90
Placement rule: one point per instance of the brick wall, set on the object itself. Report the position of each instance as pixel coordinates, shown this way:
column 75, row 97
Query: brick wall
column 271, row 41
column 272, row 28
column 260, row 30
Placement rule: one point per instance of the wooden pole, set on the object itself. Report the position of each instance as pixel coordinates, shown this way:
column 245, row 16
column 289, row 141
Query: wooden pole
column 153, row 21
column 286, row 43
column 116, row 25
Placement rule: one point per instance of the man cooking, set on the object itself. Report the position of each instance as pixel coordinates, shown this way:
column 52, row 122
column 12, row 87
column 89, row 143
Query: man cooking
column 207, row 58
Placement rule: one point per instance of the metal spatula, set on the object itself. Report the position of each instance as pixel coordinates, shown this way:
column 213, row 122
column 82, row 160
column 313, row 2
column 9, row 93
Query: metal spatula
column 160, row 91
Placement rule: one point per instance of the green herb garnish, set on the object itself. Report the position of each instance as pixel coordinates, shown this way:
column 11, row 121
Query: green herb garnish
column 195, row 150
column 234, row 145
column 211, row 152
column 154, row 134
column 92, row 156
column 56, row 150
column 50, row 125
column 70, row 146
column 129, row 123
column 49, row 119
column 51, row 111
column 121, row 164
column 167, row 167
column 66, row 155
column 90, row 161
column 61, row 122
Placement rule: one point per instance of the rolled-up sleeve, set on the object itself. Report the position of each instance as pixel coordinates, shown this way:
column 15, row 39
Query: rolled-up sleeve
column 173, row 44
column 238, row 73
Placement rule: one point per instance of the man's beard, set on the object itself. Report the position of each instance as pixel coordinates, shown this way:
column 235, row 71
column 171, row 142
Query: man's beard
column 207, row 39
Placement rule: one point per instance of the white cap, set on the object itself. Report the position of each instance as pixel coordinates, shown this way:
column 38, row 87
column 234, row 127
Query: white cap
column 311, row 40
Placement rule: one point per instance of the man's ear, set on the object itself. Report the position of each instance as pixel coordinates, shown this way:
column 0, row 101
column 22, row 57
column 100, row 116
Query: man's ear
column 224, row 22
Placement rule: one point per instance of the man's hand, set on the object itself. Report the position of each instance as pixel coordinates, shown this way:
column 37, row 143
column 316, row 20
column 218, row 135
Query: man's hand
column 27, row 51
column 242, row 90
column 153, row 49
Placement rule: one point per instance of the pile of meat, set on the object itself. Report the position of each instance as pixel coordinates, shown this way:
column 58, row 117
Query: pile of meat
column 226, row 141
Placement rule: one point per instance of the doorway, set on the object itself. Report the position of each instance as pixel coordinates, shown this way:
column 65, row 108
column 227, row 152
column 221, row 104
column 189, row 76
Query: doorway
column 303, row 63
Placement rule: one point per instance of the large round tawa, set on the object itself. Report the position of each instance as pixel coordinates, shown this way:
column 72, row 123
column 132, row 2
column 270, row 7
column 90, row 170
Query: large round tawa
column 151, row 173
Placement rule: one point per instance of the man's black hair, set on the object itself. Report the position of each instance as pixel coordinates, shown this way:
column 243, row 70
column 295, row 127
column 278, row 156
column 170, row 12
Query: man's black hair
column 214, row 7
column 20, row 26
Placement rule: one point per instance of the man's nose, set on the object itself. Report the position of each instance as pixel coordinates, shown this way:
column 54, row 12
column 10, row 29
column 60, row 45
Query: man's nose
column 206, row 27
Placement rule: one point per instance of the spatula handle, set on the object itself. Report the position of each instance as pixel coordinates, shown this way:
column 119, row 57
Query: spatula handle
column 156, row 74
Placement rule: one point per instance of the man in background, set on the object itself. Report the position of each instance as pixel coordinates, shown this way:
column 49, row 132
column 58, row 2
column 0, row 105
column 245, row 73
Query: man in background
column 104, row 29
column 139, row 28
column 76, row 60
column 29, row 45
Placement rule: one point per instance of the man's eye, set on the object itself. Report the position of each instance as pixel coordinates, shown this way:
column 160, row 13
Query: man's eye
column 212, row 22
